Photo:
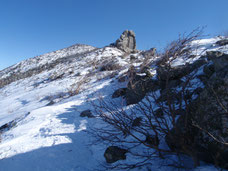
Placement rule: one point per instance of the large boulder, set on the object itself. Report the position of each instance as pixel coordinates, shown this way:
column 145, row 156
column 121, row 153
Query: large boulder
column 114, row 153
column 137, row 88
column 126, row 42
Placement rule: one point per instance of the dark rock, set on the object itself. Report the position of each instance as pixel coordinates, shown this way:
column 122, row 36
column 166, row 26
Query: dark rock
column 110, row 66
column 159, row 113
column 219, row 59
column 152, row 140
column 127, row 42
column 138, row 87
column 169, row 95
column 87, row 113
column 132, row 58
column 137, row 121
column 120, row 92
column 170, row 84
column 114, row 153
column 4, row 127
column 222, row 42
column 7, row 126
column 208, row 113
column 178, row 72
column 209, row 70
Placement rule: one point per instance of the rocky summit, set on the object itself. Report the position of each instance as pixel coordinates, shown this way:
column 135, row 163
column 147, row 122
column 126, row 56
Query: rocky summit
column 126, row 42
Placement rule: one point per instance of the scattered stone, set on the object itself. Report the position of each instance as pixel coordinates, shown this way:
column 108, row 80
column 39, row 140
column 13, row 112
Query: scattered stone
column 114, row 153
column 87, row 113
column 120, row 92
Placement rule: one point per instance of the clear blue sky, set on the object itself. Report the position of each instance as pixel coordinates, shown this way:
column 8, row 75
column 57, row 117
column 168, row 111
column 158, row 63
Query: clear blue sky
column 32, row 27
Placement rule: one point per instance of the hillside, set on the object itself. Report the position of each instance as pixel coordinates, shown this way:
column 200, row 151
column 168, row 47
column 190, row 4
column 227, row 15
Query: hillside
column 42, row 100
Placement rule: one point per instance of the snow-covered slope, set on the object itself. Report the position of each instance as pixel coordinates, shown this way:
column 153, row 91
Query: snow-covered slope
column 43, row 110
column 35, row 62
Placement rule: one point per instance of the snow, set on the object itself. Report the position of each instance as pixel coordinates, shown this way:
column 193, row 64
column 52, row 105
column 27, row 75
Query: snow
column 199, row 48
column 54, row 137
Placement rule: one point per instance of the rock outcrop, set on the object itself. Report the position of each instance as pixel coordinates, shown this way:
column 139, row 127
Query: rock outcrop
column 207, row 126
column 114, row 153
column 222, row 42
column 126, row 42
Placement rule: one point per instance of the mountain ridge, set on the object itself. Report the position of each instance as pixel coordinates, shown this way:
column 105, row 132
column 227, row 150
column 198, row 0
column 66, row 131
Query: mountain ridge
column 41, row 111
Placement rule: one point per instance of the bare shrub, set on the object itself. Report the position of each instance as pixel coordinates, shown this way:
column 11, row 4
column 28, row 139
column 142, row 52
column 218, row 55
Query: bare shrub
column 142, row 128
column 180, row 47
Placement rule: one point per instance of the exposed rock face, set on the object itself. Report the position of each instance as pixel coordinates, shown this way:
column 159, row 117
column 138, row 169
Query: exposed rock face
column 127, row 42
column 114, row 153
column 211, row 115
column 219, row 59
column 179, row 71
column 222, row 42
column 207, row 126
column 138, row 87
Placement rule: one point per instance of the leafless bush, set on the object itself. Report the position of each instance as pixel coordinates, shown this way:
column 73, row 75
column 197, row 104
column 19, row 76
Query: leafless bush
column 144, row 126
column 180, row 47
